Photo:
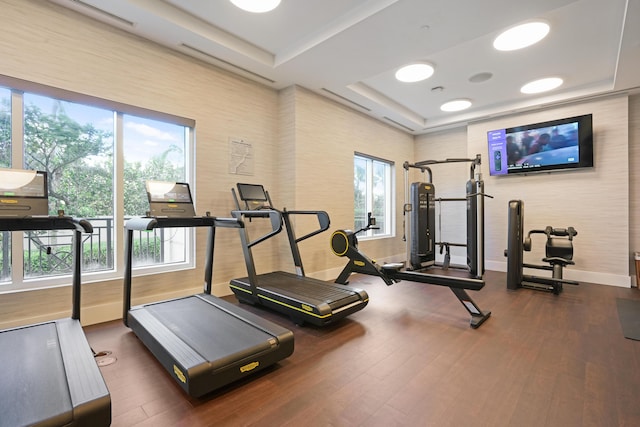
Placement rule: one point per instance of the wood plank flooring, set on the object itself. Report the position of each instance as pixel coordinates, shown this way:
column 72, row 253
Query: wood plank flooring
column 411, row 359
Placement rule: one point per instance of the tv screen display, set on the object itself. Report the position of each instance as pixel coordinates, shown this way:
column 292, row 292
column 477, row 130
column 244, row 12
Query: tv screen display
column 542, row 147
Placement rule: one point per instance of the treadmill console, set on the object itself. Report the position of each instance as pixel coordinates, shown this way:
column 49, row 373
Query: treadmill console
column 254, row 196
column 170, row 199
column 23, row 193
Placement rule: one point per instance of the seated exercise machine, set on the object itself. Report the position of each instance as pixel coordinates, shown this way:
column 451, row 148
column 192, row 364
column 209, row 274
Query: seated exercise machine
column 558, row 253
column 345, row 243
column 303, row 299
column 50, row 376
column 422, row 243
column 204, row 342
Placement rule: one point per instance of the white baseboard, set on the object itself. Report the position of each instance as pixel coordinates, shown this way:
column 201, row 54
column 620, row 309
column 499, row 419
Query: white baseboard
column 596, row 277
column 93, row 314
column 112, row 311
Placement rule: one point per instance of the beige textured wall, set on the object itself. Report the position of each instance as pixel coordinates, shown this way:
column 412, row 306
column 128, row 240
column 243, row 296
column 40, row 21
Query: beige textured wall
column 327, row 135
column 303, row 147
column 596, row 201
column 48, row 44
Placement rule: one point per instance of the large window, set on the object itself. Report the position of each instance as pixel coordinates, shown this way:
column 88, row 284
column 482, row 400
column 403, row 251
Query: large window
column 372, row 185
column 154, row 150
column 97, row 159
column 73, row 143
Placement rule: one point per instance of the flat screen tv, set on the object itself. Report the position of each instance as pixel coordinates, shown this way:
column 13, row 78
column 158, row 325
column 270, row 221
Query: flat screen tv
column 542, row 147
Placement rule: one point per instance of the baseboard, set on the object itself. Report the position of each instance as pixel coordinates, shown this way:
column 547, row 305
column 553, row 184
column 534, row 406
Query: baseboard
column 112, row 311
column 596, row 277
column 100, row 313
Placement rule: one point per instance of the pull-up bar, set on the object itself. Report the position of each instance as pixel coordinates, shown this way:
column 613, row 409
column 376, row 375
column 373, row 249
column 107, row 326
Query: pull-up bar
column 423, row 165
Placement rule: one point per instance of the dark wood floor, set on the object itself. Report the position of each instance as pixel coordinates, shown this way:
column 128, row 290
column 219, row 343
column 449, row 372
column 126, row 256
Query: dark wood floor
column 411, row 359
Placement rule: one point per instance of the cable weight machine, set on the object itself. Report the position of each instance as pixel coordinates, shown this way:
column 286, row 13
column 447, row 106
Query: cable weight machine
column 420, row 213
column 422, row 244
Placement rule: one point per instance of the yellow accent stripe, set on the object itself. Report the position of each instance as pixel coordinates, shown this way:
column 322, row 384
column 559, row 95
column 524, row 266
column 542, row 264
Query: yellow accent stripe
column 239, row 288
column 344, row 235
column 296, row 308
column 285, row 305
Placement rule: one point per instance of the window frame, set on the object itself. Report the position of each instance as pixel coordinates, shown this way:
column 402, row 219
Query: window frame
column 389, row 196
column 17, row 89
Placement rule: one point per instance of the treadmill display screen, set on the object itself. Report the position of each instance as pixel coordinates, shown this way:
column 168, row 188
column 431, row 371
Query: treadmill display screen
column 168, row 192
column 252, row 192
column 22, row 183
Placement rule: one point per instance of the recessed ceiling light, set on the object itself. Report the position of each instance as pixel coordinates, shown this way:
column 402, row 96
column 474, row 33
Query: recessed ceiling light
column 541, row 85
column 256, row 6
column 415, row 72
column 521, row 36
column 456, row 105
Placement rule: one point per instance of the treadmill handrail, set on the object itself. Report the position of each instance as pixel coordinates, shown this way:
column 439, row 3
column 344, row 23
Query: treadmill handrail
column 323, row 221
column 275, row 218
column 58, row 222
column 52, row 222
column 150, row 223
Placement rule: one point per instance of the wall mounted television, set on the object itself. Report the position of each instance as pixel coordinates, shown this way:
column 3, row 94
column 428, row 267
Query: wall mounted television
column 542, row 147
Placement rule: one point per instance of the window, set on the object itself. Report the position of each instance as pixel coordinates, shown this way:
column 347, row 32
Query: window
column 97, row 158
column 372, row 185
column 154, row 150
column 73, row 143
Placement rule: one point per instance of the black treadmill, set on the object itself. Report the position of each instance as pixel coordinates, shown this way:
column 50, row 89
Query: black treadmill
column 203, row 341
column 50, row 375
column 303, row 299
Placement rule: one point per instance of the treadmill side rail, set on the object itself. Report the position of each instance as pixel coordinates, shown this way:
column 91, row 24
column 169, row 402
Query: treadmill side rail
column 89, row 395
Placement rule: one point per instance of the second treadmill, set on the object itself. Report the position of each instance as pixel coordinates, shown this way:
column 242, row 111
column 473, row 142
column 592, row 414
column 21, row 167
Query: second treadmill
column 303, row 299
column 203, row 342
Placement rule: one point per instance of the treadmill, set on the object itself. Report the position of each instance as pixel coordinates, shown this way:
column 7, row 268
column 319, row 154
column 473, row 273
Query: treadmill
column 203, row 341
column 50, row 375
column 303, row 299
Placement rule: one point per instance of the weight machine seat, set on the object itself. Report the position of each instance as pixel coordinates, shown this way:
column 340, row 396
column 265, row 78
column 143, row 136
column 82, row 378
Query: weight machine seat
column 393, row 266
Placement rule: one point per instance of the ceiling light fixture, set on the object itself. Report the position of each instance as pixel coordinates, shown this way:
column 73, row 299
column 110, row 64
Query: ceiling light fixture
column 542, row 85
column 415, row 72
column 456, row 105
column 256, row 6
column 521, row 36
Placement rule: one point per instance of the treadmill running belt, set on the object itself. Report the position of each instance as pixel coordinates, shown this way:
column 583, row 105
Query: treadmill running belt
column 34, row 381
column 307, row 288
column 216, row 335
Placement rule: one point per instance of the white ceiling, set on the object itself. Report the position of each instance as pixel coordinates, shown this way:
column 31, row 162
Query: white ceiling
column 349, row 50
